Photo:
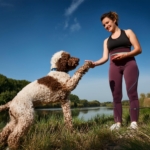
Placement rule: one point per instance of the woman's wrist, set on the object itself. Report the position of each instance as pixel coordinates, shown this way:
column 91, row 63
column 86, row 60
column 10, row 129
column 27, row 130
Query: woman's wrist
column 95, row 64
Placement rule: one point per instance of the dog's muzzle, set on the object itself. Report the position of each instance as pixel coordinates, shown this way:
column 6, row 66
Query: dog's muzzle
column 73, row 61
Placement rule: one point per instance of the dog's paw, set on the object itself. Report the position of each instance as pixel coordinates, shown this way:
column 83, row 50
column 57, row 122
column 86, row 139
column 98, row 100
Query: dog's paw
column 88, row 64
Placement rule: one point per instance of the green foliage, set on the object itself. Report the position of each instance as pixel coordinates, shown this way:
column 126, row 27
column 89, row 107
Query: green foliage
column 141, row 100
column 4, row 82
column 49, row 133
column 125, row 102
column 148, row 95
column 76, row 102
column 94, row 103
column 7, row 96
column 145, row 100
column 84, row 103
column 74, row 98
column 9, row 88
column 107, row 104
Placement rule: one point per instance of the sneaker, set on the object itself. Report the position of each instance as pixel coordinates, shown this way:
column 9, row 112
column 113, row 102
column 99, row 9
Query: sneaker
column 115, row 126
column 133, row 125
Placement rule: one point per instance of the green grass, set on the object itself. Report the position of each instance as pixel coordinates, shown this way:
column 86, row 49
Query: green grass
column 49, row 133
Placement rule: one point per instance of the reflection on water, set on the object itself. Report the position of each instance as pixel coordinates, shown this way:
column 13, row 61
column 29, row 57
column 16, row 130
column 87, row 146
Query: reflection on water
column 84, row 113
column 81, row 113
column 89, row 113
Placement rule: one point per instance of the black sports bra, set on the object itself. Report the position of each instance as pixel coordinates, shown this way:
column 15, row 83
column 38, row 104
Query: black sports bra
column 121, row 42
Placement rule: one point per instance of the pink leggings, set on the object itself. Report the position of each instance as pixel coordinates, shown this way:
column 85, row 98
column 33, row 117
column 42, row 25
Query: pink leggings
column 127, row 68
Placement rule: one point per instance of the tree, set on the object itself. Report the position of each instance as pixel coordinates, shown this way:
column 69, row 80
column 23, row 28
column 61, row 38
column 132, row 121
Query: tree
column 148, row 95
column 74, row 98
column 141, row 100
column 7, row 96
column 3, row 83
column 9, row 88
column 146, row 102
column 94, row 103
column 84, row 103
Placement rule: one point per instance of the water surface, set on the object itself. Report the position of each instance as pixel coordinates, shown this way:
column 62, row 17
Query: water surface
column 82, row 113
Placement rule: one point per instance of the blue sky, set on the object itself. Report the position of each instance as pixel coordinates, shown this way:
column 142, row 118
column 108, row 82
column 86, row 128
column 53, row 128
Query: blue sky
column 31, row 31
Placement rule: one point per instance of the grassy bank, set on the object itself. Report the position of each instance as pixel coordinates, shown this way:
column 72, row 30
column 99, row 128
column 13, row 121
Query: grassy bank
column 49, row 133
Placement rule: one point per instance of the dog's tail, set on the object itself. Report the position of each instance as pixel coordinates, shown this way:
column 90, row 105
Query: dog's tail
column 5, row 106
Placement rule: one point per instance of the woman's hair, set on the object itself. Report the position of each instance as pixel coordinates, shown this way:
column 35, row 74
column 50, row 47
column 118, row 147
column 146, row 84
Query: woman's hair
column 111, row 15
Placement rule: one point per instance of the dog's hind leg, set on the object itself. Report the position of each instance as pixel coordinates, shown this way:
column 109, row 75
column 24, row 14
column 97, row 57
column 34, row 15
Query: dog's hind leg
column 21, row 128
column 65, row 104
column 7, row 130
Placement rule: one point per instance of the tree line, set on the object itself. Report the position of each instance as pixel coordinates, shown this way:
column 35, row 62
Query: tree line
column 144, row 101
column 10, row 87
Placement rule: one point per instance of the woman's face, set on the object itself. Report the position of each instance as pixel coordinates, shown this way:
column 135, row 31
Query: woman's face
column 109, row 24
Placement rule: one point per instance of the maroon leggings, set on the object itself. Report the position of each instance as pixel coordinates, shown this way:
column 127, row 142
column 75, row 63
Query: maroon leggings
column 127, row 68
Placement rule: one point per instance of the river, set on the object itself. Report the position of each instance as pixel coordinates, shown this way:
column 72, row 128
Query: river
column 82, row 113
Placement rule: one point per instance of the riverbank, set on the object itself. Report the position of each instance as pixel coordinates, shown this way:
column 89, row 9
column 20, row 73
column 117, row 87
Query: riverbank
column 49, row 133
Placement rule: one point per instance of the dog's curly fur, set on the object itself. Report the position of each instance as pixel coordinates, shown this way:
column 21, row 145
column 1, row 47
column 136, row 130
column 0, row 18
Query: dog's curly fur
column 55, row 87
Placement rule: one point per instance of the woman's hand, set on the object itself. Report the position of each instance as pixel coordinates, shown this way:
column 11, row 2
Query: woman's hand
column 119, row 56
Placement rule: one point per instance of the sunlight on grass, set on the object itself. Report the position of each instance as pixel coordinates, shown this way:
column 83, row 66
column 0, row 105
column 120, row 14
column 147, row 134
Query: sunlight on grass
column 49, row 133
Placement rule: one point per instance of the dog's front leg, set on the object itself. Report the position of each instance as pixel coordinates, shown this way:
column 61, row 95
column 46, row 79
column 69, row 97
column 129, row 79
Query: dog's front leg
column 73, row 81
column 65, row 104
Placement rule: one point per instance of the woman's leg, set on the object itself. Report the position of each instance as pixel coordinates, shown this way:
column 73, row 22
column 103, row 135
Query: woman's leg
column 131, row 74
column 115, row 81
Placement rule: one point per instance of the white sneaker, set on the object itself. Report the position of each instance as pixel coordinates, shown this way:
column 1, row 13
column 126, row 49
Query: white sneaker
column 115, row 126
column 133, row 125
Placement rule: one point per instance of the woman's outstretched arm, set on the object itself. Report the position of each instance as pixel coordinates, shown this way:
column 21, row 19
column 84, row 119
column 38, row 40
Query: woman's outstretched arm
column 104, row 57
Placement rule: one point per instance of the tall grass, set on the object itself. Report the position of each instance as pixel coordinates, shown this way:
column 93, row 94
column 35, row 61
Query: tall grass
column 49, row 133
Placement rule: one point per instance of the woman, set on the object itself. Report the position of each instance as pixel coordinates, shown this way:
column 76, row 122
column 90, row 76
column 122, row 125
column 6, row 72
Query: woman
column 122, row 63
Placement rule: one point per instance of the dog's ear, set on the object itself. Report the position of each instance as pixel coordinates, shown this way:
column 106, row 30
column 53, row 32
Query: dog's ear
column 63, row 62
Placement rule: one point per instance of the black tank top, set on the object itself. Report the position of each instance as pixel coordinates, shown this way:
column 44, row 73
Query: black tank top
column 121, row 42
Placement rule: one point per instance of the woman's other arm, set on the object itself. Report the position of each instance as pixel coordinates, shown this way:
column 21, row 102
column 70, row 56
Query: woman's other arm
column 135, row 43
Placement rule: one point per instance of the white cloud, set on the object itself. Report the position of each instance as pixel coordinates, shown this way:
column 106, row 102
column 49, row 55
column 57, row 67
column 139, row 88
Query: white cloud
column 5, row 4
column 74, row 5
column 66, row 24
column 76, row 26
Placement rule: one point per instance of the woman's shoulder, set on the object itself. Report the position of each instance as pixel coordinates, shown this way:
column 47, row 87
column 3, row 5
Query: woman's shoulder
column 128, row 32
column 106, row 40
